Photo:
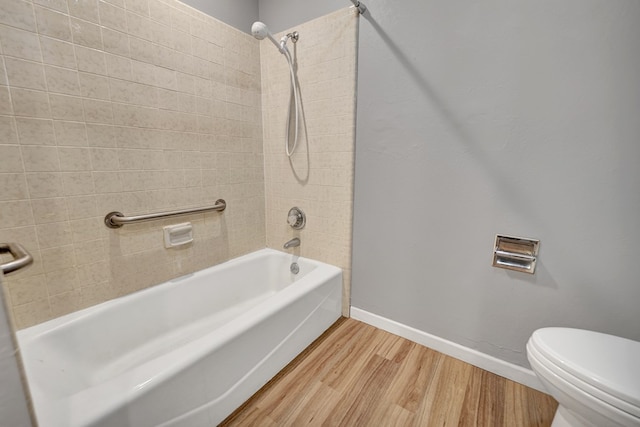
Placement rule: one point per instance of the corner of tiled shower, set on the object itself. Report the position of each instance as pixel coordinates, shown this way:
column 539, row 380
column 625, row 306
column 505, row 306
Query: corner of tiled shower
column 142, row 106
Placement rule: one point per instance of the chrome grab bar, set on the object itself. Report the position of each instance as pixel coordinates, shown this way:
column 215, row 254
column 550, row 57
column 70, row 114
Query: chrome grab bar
column 117, row 219
column 21, row 258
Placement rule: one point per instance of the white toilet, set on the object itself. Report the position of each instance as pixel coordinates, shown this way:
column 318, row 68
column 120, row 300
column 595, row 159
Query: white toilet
column 594, row 377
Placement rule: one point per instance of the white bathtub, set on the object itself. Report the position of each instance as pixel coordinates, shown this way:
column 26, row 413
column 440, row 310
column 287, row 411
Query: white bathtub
column 184, row 353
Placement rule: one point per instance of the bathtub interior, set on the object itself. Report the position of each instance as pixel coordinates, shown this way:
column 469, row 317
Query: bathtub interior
column 88, row 348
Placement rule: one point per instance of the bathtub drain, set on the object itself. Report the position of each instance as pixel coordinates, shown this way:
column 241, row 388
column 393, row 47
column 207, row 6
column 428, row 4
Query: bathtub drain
column 295, row 269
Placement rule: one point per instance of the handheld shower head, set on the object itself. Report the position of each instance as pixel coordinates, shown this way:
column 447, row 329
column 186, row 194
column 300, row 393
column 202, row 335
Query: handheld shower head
column 259, row 30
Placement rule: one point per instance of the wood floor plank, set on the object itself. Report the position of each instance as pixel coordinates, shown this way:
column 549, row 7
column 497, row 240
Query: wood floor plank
column 407, row 389
column 357, row 375
column 356, row 408
column 396, row 416
column 490, row 406
column 354, row 358
column 321, row 403
column 445, row 397
column 472, row 399
column 536, row 404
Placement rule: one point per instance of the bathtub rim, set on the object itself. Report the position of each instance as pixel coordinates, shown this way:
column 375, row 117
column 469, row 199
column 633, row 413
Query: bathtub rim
column 26, row 335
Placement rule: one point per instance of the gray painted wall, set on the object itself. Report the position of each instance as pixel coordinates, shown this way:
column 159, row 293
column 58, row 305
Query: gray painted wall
column 237, row 13
column 515, row 117
column 280, row 15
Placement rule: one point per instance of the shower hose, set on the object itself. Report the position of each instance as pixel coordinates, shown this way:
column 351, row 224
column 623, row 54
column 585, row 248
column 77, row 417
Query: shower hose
column 293, row 93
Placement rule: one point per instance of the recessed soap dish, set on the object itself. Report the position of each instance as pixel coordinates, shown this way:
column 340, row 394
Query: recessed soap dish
column 178, row 235
column 516, row 253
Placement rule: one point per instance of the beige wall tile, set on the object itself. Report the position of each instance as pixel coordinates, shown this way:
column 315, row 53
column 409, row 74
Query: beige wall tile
column 93, row 140
column 59, row 5
column 30, row 103
column 85, row 33
column 115, row 42
column 16, row 214
column 53, row 24
column 17, row 13
column 97, row 111
column 167, row 99
column 44, row 185
column 160, row 33
column 20, row 44
column 49, row 210
column 70, row 133
column 35, row 131
column 10, row 159
column 90, row 252
column 94, row 86
column 142, row 72
column 65, row 303
column 113, row 17
column 5, row 101
column 166, row 78
column 58, row 258
column 132, row 115
column 61, row 281
column 91, row 60
column 142, row 50
column 86, row 10
column 104, row 159
column 100, row 135
column 138, row 6
column 159, row 12
column 133, row 93
column 181, row 41
column 28, row 289
column 118, row 3
column 139, row 26
column 68, row 108
column 57, row 52
column 31, row 313
column 62, row 80
column 40, row 158
column 13, row 186
column 77, row 183
column 329, row 110
column 84, row 230
column 106, row 182
column 4, row 81
column 180, row 21
column 54, row 234
column 118, row 67
column 81, row 207
column 74, row 159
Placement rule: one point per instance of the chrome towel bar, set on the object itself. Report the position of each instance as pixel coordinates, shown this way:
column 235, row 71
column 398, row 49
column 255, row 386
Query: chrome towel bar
column 117, row 219
column 21, row 258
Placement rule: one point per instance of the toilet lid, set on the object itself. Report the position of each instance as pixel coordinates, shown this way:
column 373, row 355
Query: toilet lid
column 609, row 363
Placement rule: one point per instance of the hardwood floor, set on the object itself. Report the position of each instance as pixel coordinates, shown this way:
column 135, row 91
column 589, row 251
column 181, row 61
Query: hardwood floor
column 358, row 375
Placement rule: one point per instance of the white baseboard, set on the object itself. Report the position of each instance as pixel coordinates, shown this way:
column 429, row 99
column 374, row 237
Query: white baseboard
column 484, row 361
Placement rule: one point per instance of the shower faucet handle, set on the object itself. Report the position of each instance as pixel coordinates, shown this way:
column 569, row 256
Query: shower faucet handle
column 296, row 218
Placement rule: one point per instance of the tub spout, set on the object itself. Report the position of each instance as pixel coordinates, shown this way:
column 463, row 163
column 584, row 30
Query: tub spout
column 295, row 242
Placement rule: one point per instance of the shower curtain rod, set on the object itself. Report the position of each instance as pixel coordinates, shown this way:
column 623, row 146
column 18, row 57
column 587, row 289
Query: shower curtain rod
column 361, row 7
